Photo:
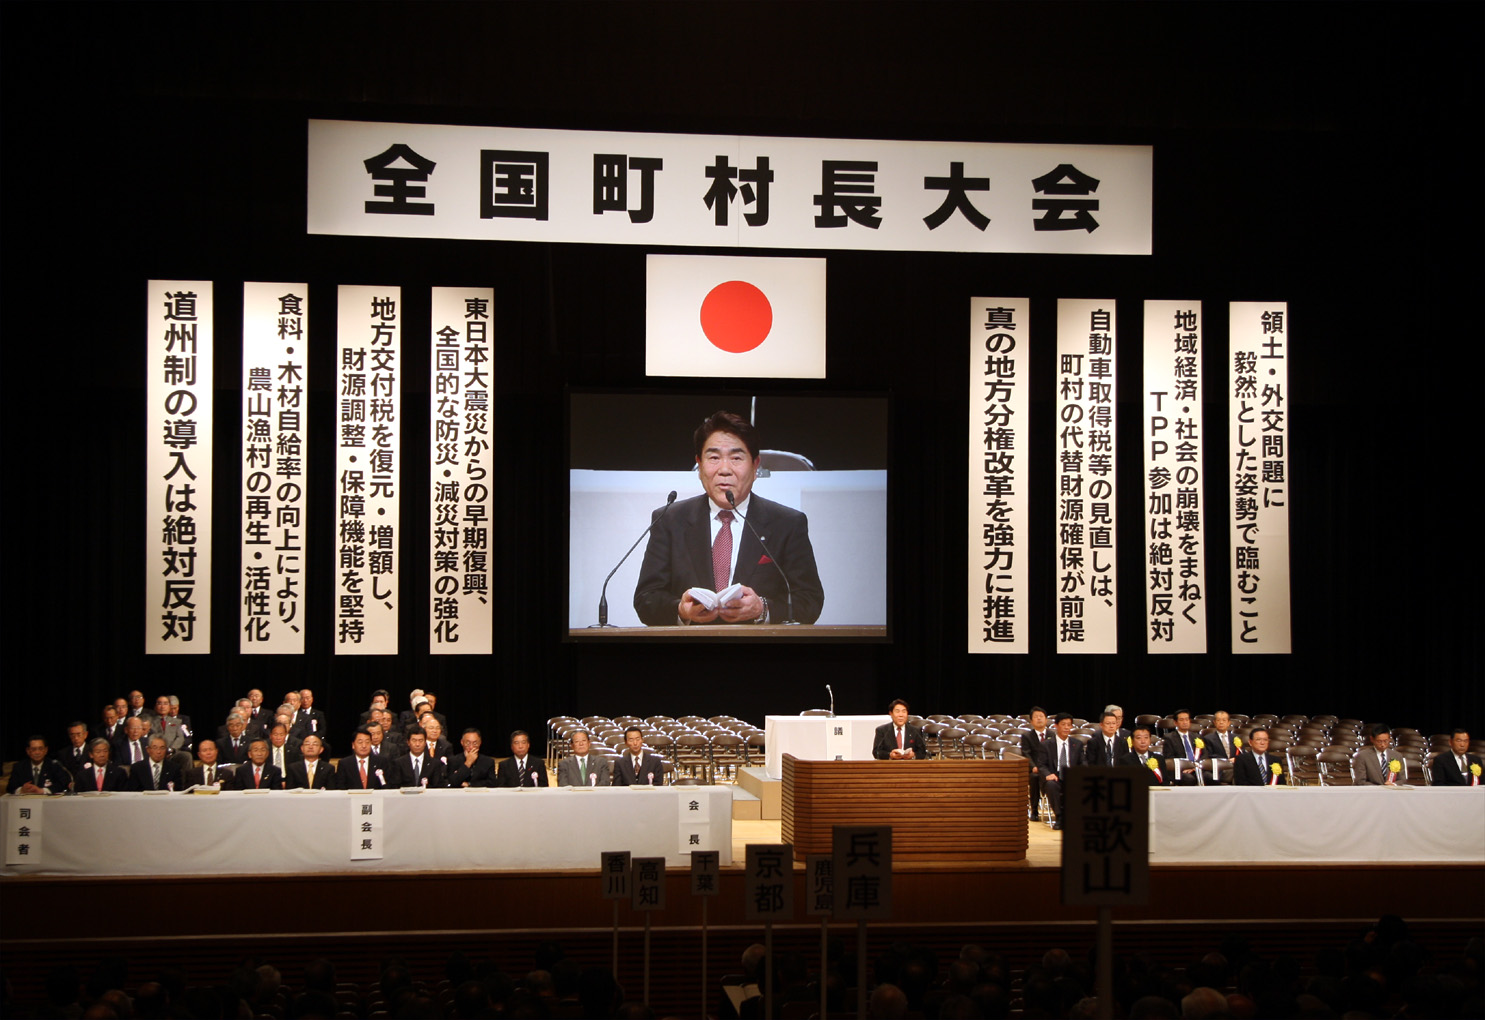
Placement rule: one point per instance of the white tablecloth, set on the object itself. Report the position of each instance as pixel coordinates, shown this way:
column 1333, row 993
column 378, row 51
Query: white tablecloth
column 438, row 830
column 1360, row 824
column 807, row 736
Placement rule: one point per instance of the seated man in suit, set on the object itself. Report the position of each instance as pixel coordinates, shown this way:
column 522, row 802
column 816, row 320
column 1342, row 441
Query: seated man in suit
column 582, row 767
column 137, row 709
column 130, row 747
column 1255, row 766
column 311, row 771
column 1183, row 742
column 1119, row 729
column 1139, row 755
column 210, row 772
column 1454, row 767
column 176, row 732
column 158, row 771
column 111, row 726
column 380, row 746
column 712, row 541
column 522, row 768
column 432, row 706
column 1058, row 755
column 417, row 767
column 99, row 773
column 468, row 768
column 1031, row 750
column 38, row 775
column 1221, row 741
column 1103, row 748
column 281, row 754
column 359, row 770
column 635, row 767
column 1375, row 767
column 75, row 754
column 438, row 744
column 899, row 740
column 232, row 740
column 313, row 718
column 260, row 714
column 257, row 773
column 379, row 700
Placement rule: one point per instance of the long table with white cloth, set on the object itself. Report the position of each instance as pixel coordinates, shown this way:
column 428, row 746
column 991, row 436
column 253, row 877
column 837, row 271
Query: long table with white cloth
column 817, row 738
column 314, row 832
column 1312, row 824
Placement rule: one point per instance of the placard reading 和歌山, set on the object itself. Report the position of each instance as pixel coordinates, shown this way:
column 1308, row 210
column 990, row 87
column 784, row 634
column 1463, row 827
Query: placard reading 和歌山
column 998, row 441
column 177, row 520
column 460, row 489
column 1175, row 578
column 1086, row 505
column 368, row 419
column 1258, row 433
column 275, row 464
column 615, row 187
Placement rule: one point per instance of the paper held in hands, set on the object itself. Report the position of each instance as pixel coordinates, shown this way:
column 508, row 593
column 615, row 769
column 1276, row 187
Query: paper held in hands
column 715, row 599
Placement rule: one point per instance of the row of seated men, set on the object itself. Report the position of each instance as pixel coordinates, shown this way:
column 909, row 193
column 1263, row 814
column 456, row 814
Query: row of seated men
column 273, row 764
column 1178, row 757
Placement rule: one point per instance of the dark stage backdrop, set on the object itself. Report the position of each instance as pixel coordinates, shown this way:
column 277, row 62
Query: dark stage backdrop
column 1330, row 165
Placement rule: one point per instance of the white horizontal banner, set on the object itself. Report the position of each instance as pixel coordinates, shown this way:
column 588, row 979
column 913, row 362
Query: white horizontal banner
column 610, row 187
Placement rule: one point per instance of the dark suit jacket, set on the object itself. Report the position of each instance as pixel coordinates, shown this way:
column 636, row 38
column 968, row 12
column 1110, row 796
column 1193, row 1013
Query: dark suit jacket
column 885, row 741
column 1031, row 748
column 54, row 776
column 1128, row 757
column 1215, row 749
column 119, row 750
column 1075, row 752
column 536, row 772
column 456, row 774
column 1445, row 769
column 115, row 778
column 291, row 755
column 679, row 556
column 141, row 775
column 348, row 774
column 73, row 758
column 651, row 771
column 432, row 775
column 227, row 755
column 1095, row 752
column 242, row 779
column 196, row 775
column 298, row 777
column 1245, row 768
column 1175, row 749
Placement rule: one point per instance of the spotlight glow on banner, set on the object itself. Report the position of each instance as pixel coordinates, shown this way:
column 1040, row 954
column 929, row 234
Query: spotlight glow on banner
column 1258, row 432
column 177, row 519
column 369, row 336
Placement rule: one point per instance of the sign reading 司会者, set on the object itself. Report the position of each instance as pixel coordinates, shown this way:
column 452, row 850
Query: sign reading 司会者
column 609, row 187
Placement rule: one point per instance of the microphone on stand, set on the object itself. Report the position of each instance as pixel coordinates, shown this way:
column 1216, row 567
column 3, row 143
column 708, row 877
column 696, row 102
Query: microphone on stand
column 788, row 589
column 832, row 700
column 603, row 595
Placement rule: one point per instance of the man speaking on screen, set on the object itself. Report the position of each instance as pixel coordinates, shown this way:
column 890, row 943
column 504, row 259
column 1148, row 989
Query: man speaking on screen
column 752, row 551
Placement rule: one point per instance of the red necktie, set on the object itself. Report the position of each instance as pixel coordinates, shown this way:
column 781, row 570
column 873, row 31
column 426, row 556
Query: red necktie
column 722, row 552
column 99, row 773
column 257, row 776
column 363, row 773
column 899, row 738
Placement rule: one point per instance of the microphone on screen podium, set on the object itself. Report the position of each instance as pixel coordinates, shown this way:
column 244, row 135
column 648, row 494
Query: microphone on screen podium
column 788, row 589
column 832, row 700
column 603, row 595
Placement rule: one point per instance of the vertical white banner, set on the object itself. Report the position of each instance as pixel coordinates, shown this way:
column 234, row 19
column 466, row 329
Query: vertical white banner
column 366, row 827
column 1086, row 573
column 275, row 459
column 177, row 520
column 1175, row 573
column 461, row 615
column 998, row 441
column 23, row 830
column 1258, row 431
column 369, row 335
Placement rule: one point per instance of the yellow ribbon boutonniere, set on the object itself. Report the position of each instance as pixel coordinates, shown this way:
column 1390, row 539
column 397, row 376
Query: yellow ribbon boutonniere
column 1237, row 742
column 1276, row 769
column 1394, row 766
column 1474, row 770
column 1199, row 745
column 1152, row 764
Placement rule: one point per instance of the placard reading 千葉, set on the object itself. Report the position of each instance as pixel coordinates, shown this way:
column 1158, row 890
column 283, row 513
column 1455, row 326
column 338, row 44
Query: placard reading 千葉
column 613, row 187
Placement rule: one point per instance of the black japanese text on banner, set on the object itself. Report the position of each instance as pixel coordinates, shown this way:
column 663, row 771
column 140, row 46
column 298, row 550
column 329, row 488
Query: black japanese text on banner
column 177, row 605
column 1087, row 589
column 461, row 614
column 998, row 438
column 1175, row 575
column 275, row 464
column 367, row 427
column 1258, row 431
column 610, row 187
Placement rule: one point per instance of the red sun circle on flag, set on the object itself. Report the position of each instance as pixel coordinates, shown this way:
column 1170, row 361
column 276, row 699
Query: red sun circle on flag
column 736, row 316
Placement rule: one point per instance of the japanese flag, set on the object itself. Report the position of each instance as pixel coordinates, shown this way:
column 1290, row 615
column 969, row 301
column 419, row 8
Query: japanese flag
column 735, row 316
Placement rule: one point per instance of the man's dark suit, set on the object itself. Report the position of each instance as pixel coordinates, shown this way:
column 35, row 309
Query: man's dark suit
column 1213, row 740
column 1031, row 750
column 229, row 755
column 242, row 779
column 290, row 755
column 679, row 556
column 142, row 777
column 1050, row 755
column 885, row 742
column 1096, row 751
column 73, row 758
column 1445, row 769
column 54, row 776
column 348, row 774
column 115, row 778
column 482, row 773
column 1174, row 748
column 651, row 771
column 120, row 755
column 1245, row 771
column 430, row 774
column 535, row 774
column 196, row 775
column 1159, row 776
column 298, row 778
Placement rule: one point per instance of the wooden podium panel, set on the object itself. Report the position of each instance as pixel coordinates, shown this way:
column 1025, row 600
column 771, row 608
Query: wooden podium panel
column 946, row 810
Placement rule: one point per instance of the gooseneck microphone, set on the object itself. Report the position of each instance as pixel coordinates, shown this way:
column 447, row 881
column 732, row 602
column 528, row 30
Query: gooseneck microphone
column 603, row 595
column 788, row 589
column 832, row 700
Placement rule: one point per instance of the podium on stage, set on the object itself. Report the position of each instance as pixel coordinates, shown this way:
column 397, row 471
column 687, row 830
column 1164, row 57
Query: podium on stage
column 942, row 810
